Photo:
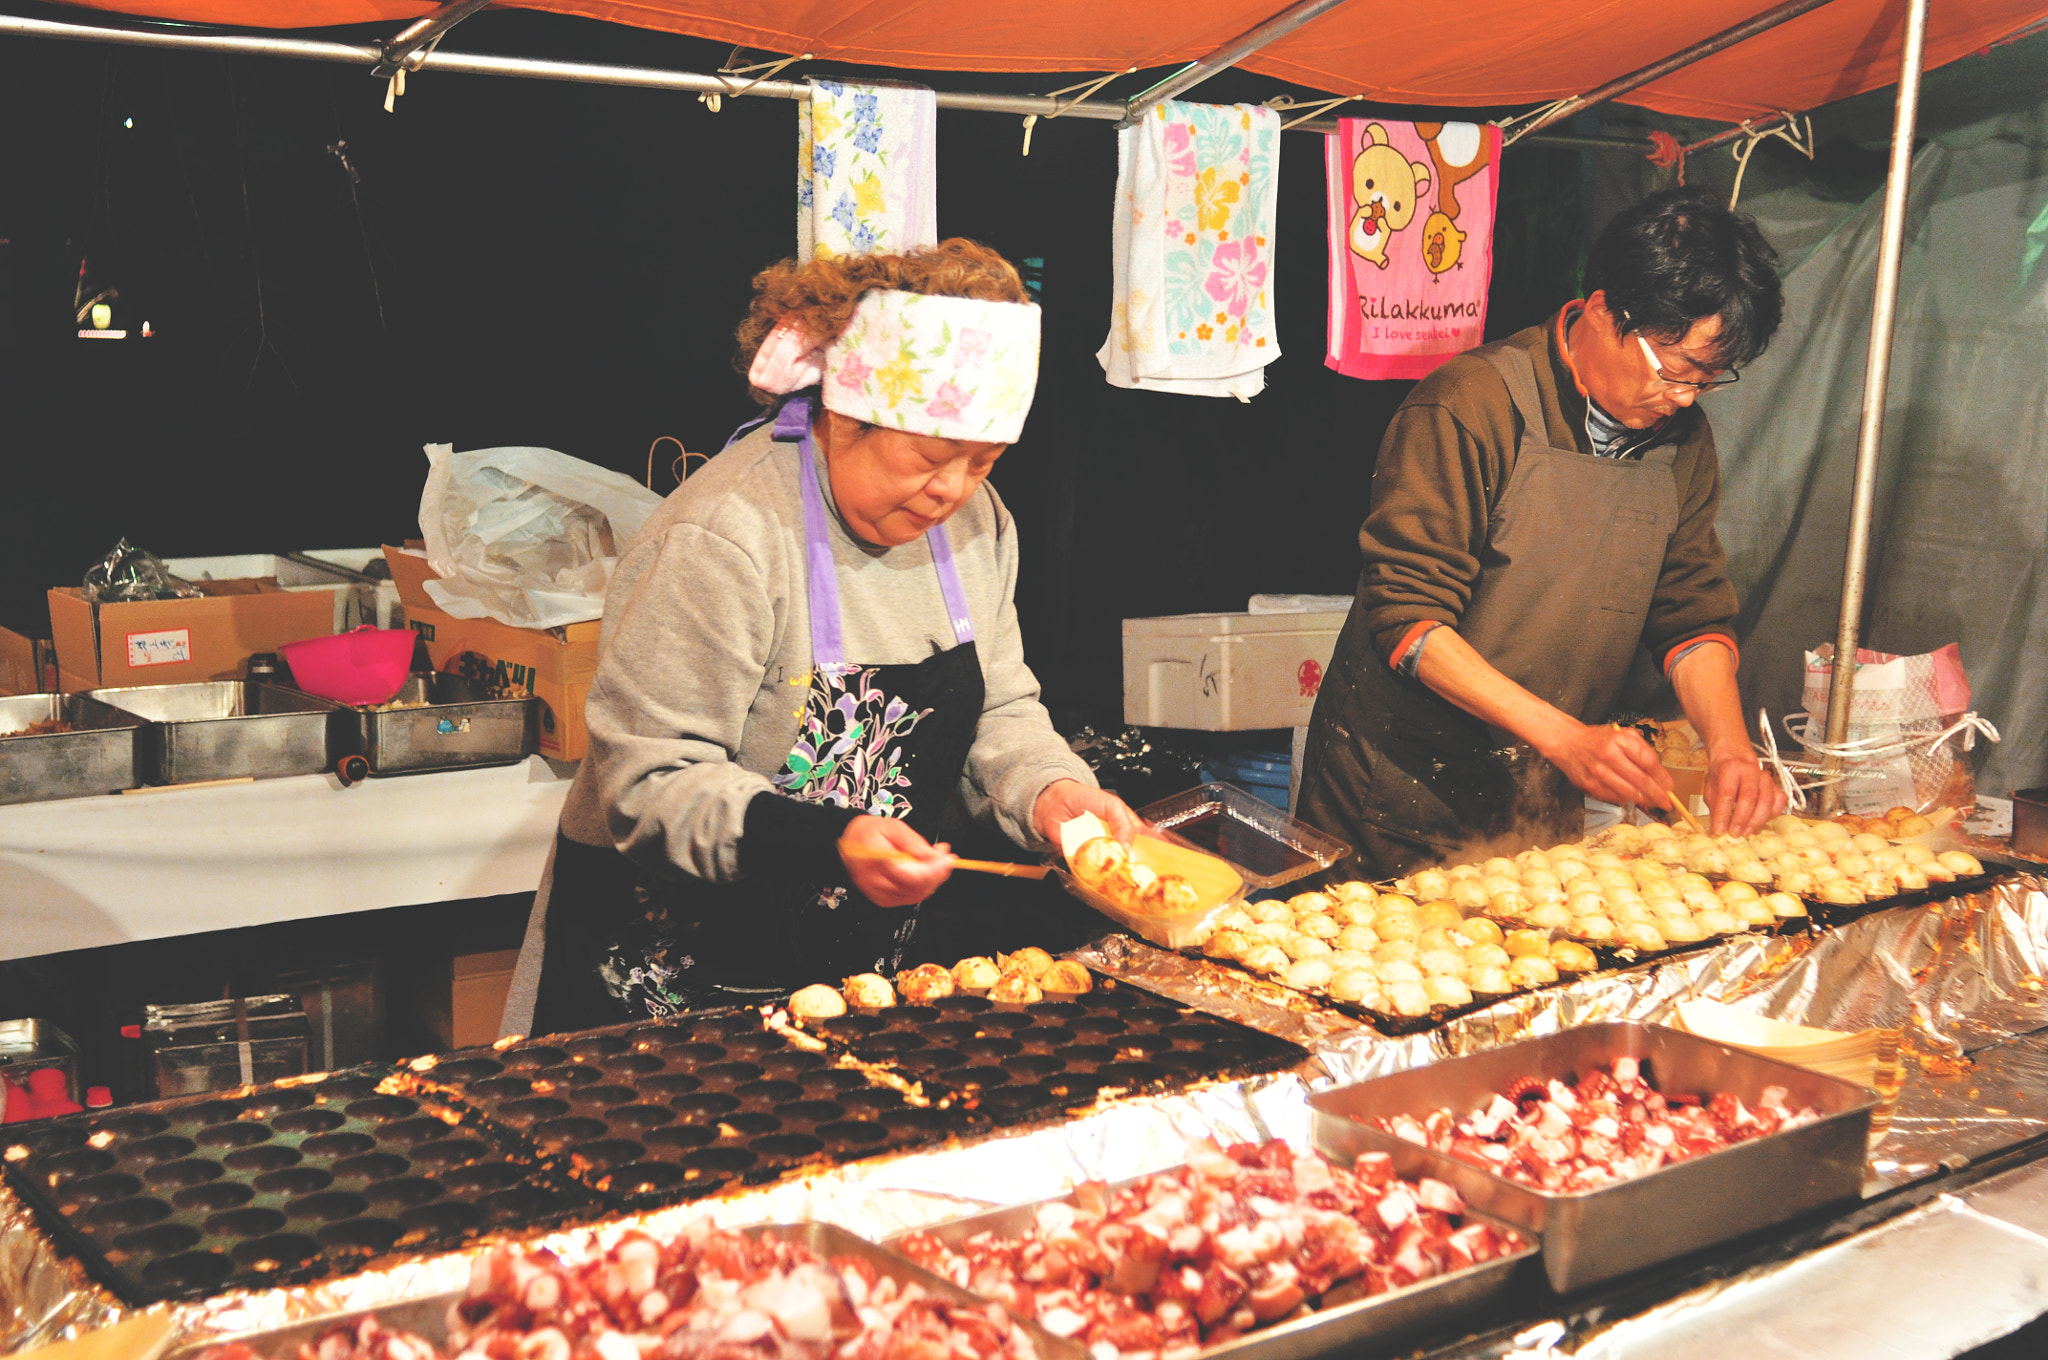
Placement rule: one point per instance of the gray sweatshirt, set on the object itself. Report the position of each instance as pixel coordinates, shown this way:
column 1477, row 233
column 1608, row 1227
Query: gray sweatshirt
column 705, row 656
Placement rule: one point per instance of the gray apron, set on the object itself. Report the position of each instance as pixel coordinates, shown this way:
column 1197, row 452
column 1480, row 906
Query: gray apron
column 1573, row 551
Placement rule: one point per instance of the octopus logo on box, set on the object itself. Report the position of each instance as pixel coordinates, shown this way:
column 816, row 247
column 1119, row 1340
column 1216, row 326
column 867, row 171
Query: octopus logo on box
column 1310, row 674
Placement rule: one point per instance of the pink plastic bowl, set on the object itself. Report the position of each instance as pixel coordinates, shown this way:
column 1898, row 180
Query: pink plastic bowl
column 366, row 666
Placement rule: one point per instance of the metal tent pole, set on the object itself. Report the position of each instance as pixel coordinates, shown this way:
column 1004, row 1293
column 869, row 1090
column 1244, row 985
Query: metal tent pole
column 1876, row 375
column 1228, row 55
column 423, row 31
column 1657, row 70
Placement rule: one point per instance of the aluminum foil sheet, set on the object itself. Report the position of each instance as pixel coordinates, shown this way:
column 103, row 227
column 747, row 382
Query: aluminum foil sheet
column 1967, row 976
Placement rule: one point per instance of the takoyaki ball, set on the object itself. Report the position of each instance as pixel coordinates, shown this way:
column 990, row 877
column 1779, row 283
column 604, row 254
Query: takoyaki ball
column 869, row 991
column 1431, row 884
column 1665, row 852
column 1310, row 902
column 1642, row 936
column 1177, row 896
column 1358, row 987
column 1352, row 911
column 924, row 984
column 1549, row 916
column 1488, row 981
column 1357, row 890
column 1030, row 961
column 1532, row 970
column 1960, row 863
column 1318, row 927
column 1265, row 958
column 1785, row 906
column 1500, row 865
column 1479, row 930
column 1596, row 928
column 1520, row 943
column 1440, row 961
column 1507, row 906
column 1271, row 913
column 1764, row 844
column 1876, row 885
column 1719, row 921
column 1227, row 944
column 1097, row 859
column 1409, row 999
column 1853, row 863
column 1827, row 833
column 1496, row 884
column 1439, row 913
column 1443, row 989
column 817, row 1002
column 1751, row 871
column 1067, row 978
column 1841, row 892
column 1571, row 957
column 1305, row 947
column 1396, row 973
column 1271, row 932
column 1732, row 893
column 1016, row 988
column 1487, row 956
column 1395, row 951
column 1469, row 894
column 1680, row 929
column 1344, row 960
column 1355, row 937
column 1307, row 975
column 1868, row 843
column 1396, row 922
column 1233, row 918
column 1914, row 825
column 1909, row 878
column 1752, row 912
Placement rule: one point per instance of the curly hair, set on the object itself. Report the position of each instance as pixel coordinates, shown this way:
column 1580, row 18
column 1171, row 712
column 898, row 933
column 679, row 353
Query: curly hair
column 820, row 295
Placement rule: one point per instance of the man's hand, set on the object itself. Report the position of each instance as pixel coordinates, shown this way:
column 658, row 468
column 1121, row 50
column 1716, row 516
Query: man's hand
column 890, row 864
column 1064, row 799
column 1611, row 763
column 1740, row 795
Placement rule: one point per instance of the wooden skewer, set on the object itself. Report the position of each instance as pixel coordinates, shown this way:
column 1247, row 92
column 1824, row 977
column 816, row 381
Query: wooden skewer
column 984, row 866
column 1678, row 806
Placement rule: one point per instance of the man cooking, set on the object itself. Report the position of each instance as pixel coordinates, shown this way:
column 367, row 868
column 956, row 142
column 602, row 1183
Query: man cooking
column 1542, row 508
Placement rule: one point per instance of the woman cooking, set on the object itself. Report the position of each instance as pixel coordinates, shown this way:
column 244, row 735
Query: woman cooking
column 810, row 671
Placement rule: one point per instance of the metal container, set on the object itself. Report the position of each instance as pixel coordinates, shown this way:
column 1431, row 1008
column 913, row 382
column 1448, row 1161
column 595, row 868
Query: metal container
column 29, row 1045
column 441, row 721
column 99, row 755
column 2029, row 822
column 1596, row 1235
column 1345, row 1321
column 216, row 1045
column 231, row 729
column 428, row 1317
column 1260, row 841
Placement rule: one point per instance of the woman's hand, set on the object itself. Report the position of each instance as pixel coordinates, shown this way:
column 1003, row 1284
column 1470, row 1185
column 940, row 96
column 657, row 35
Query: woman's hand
column 890, row 864
column 1065, row 799
column 1613, row 764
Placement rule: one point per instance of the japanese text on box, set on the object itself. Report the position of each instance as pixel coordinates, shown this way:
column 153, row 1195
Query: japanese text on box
column 159, row 648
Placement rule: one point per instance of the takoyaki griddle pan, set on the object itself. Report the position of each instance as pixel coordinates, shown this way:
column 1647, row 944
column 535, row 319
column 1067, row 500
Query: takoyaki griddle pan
column 1017, row 1062
column 659, row 1112
column 187, row 1198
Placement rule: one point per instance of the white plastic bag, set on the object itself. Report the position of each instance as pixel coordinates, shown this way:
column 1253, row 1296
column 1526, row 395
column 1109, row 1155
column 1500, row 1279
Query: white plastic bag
column 528, row 537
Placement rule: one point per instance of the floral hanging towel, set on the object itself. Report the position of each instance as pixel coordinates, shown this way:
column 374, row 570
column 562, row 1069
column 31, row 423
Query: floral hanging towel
column 867, row 169
column 1193, row 273
column 1411, row 243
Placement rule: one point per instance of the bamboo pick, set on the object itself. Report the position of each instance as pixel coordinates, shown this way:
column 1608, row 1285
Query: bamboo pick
column 984, row 866
column 1678, row 806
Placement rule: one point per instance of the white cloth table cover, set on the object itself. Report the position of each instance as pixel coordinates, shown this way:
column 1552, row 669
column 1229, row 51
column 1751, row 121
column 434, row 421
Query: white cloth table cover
column 85, row 872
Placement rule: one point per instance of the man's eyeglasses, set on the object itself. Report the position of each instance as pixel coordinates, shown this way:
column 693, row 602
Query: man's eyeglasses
column 1715, row 383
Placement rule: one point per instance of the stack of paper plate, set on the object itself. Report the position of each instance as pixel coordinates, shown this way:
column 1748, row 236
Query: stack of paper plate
column 1869, row 1058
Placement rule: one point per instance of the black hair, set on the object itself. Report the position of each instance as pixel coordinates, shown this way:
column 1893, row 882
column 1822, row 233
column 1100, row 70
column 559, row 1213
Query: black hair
column 1682, row 255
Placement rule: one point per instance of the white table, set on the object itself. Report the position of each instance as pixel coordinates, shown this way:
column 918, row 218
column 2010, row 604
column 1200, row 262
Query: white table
column 84, row 872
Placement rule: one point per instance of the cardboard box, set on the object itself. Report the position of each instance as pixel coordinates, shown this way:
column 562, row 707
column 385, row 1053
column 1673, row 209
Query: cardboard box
column 18, row 664
column 554, row 664
column 172, row 642
column 478, row 984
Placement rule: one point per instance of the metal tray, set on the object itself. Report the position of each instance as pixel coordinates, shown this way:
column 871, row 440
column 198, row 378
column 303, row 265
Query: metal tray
column 100, row 755
column 456, row 727
column 1597, row 1235
column 231, row 729
column 428, row 1317
column 1335, row 1329
column 1261, row 842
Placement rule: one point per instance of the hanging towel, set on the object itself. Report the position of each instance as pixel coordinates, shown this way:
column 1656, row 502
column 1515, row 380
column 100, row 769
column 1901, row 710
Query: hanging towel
column 1411, row 243
column 867, row 169
column 1193, row 243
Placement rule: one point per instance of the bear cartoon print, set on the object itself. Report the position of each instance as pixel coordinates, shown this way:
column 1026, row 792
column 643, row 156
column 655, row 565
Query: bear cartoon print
column 1384, row 185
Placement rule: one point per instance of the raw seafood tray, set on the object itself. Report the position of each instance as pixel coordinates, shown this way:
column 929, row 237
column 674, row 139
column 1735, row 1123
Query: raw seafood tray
column 428, row 1317
column 1346, row 1319
column 188, row 1198
column 1592, row 1236
column 446, row 723
column 659, row 1112
column 1014, row 1062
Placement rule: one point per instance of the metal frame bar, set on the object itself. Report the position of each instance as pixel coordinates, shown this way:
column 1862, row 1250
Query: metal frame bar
column 1228, row 55
column 1740, row 131
column 1876, row 379
column 1657, row 70
column 421, row 32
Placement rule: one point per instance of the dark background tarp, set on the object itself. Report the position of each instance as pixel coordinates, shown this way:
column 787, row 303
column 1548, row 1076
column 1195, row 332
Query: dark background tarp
column 526, row 262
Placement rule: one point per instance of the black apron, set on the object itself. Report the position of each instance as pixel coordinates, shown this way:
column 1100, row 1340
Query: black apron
column 1574, row 547
column 890, row 740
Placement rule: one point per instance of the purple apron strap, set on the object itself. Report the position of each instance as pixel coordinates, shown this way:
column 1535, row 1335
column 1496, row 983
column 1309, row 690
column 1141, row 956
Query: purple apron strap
column 828, row 641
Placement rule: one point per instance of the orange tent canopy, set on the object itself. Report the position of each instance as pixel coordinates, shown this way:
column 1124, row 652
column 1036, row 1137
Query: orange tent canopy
column 1449, row 53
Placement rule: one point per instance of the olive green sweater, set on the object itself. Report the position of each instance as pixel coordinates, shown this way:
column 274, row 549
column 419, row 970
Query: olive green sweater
column 1445, row 460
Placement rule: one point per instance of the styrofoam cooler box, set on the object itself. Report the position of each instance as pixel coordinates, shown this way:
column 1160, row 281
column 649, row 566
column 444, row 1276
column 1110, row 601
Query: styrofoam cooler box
column 1226, row 672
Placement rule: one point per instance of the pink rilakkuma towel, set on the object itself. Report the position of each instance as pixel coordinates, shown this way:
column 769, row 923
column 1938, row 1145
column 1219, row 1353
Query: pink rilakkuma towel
column 1411, row 243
